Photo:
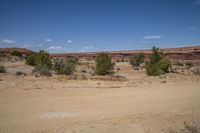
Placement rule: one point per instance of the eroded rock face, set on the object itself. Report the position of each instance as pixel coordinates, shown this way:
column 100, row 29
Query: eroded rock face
column 185, row 53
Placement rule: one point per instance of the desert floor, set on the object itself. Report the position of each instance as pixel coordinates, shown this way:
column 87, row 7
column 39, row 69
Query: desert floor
column 139, row 104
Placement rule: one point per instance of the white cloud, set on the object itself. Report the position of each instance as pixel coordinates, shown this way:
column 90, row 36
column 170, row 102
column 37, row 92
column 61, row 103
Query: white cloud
column 152, row 37
column 48, row 40
column 55, row 48
column 88, row 47
column 8, row 41
column 192, row 28
column 69, row 41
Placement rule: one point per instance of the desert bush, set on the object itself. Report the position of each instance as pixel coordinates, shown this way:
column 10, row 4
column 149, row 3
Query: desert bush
column 66, row 67
column 30, row 60
column 156, row 56
column 164, row 65
column 43, row 69
column 2, row 69
column 136, row 60
column 153, row 69
column 18, row 73
column 188, row 128
column 104, row 65
column 39, row 58
column 188, row 64
column 196, row 70
column 43, row 58
column 17, row 53
column 157, row 65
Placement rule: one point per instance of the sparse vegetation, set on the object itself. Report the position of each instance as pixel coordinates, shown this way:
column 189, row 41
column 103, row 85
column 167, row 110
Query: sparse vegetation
column 196, row 70
column 189, row 65
column 43, row 69
column 41, row 61
column 18, row 73
column 104, row 65
column 153, row 69
column 157, row 65
column 17, row 53
column 30, row 60
column 43, row 58
column 164, row 65
column 136, row 60
column 2, row 69
column 188, row 128
column 39, row 58
column 66, row 67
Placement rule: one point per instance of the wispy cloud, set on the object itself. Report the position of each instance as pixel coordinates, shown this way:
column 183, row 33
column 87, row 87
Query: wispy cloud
column 69, row 41
column 152, row 37
column 88, row 47
column 48, row 40
column 192, row 28
column 54, row 47
column 8, row 41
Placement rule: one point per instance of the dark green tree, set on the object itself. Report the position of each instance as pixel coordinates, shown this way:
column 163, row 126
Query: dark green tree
column 156, row 56
column 104, row 65
column 157, row 65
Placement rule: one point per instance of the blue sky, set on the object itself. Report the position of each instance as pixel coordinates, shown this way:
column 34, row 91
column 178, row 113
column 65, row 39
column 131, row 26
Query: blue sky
column 97, row 25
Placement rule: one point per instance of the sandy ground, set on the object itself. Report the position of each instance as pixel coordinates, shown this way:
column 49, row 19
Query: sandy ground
column 56, row 104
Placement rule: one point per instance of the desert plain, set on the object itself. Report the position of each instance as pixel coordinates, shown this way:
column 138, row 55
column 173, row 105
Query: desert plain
column 60, row 104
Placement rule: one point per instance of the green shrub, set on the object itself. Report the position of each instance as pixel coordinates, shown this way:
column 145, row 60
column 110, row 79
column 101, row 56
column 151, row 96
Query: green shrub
column 136, row 60
column 153, row 69
column 17, row 53
column 43, row 69
column 66, row 67
column 164, row 65
column 18, row 73
column 2, row 69
column 104, row 65
column 43, row 58
column 188, row 64
column 39, row 58
column 30, row 60
column 156, row 56
column 157, row 65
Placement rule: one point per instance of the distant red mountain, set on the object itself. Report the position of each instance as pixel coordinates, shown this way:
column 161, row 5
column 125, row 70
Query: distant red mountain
column 182, row 53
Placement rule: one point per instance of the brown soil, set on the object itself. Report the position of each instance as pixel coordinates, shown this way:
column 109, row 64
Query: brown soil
column 56, row 104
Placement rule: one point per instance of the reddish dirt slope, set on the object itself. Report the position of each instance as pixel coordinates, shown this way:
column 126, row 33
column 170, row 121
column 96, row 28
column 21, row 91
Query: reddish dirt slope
column 10, row 50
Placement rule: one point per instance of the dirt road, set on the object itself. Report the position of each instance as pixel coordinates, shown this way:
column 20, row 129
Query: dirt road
column 57, row 105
